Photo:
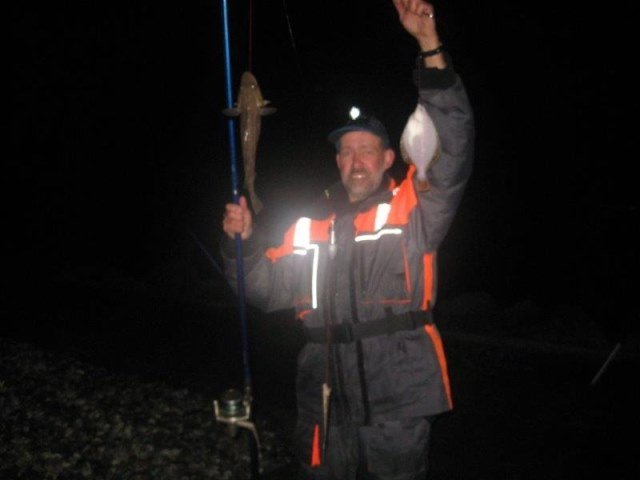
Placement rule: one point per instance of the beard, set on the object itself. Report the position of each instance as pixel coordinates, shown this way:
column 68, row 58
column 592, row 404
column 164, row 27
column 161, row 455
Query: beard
column 361, row 183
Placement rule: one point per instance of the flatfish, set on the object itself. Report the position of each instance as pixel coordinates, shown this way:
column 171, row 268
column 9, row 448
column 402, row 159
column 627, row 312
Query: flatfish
column 419, row 144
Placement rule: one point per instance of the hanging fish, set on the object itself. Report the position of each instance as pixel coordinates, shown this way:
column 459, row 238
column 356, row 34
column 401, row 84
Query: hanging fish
column 419, row 144
column 250, row 107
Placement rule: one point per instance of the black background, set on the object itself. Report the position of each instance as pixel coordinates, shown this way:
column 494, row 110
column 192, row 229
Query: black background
column 120, row 149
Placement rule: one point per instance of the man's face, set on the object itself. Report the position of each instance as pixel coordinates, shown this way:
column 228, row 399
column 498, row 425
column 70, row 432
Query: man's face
column 362, row 161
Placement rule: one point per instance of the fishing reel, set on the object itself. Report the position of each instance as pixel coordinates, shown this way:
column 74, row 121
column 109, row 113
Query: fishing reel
column 234, row 409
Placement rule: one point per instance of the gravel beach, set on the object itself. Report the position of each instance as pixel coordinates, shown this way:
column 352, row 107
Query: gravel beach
column 109, row 384
column 62, row 418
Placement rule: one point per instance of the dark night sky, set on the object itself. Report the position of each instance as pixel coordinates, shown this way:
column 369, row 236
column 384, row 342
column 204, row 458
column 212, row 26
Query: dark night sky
column 120, row 146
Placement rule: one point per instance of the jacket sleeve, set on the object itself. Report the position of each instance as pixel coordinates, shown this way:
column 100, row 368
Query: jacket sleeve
column 444, row 96
column 268, row 285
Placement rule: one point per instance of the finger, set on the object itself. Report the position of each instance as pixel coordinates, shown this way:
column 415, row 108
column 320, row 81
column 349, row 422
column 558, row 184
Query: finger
column 232, row 226
column 400, row 6
column 426, row 10
column 233, row 211
column 420, row 8
column 233, row 217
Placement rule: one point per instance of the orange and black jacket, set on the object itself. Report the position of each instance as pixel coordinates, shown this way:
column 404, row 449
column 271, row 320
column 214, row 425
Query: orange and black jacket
column 355, row 263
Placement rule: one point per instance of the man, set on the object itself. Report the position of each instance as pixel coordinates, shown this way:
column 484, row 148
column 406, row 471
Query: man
column 360, row 273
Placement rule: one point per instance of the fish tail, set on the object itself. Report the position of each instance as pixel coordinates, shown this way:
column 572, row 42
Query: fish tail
column 255, row 201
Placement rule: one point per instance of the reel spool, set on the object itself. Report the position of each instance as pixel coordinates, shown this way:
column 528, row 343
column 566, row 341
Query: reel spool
column 234, row 409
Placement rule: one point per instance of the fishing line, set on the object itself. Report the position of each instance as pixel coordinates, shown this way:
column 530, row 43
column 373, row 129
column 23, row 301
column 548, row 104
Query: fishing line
column 293, row 40
column 206, row 252
column 250, row 54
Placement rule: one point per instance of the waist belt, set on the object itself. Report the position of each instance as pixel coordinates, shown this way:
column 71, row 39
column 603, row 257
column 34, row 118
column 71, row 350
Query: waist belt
column 350, row 332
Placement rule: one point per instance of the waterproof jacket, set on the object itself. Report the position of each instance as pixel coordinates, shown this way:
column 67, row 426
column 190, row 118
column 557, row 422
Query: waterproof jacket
column 356, row 263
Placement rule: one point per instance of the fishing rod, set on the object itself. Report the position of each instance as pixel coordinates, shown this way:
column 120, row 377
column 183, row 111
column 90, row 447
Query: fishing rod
column 234, row 407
